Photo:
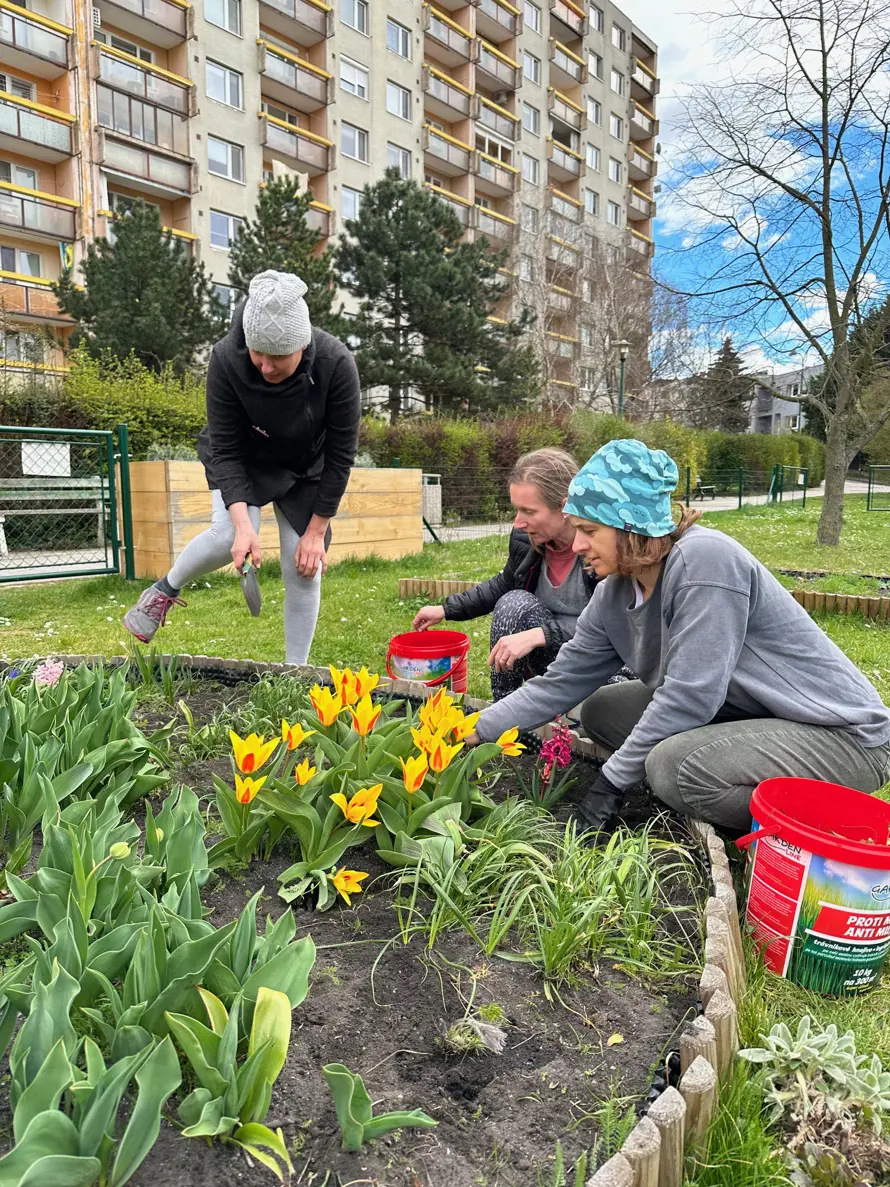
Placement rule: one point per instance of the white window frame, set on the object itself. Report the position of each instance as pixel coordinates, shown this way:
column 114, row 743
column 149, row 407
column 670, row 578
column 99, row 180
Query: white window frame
column 594, row 158
column 228, row 75
column 355, row 87
column 535, row 115
column 233, row 226
column 360, row 11
column 403, row 35
column 613, row 208
column 529, row 11
column 613, row 75
column 529, row 60
column 493, row 146
column 616, row 170
column 17, row 86
column 597, row 20
column 361, row 140
column 399, row 100
column 592, row 202
column 527, row 268
column 14, row 169
column 356, row 195
column 529, row 218
column 405, row 155
column 230, row 158
column 534, row 169
column 619, row 38
column 595, row 65
column 616, row 126
column 228, row 7
column 22, row 262
column 586, row 335
column 594, row 111
column 125, row 45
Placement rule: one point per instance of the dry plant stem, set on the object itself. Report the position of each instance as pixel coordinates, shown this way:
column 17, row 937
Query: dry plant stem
column 722, row 1014
column 668, row 1115
column 698, row 1039
column 617, row 1172
column 698, row 1088
column 643, row 1151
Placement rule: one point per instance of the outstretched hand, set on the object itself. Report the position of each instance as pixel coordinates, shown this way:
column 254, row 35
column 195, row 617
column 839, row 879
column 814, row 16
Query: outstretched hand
column 310, row 555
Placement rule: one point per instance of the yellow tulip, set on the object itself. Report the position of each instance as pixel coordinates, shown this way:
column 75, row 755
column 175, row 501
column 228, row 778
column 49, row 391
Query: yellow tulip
column 295, row 735
column 508, row 744
column 345, row 684
column 327, row 706
column 304, row 772
column 364, row 716
column 441, row 754
column 246, row 789
column 436, row 708
column 361, row 807
column 423, row 739
column 365, row 682
column 414, row 771
column 462, row 729
column 252, row 752
column 348, row 882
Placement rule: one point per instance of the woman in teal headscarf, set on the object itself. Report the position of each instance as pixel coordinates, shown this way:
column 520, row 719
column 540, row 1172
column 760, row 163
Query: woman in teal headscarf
column 736, row 682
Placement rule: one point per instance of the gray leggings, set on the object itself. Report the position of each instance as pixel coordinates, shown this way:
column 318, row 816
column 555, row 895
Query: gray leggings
column 213, row 550
column 711, row 772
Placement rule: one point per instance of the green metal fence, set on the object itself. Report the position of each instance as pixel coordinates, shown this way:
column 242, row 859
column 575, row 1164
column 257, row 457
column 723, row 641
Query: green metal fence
column 727, row 488
column 878, row 497
column 64, row 503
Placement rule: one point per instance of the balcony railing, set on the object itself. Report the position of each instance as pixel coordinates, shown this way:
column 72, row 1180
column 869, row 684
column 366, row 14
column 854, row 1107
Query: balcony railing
column 462, row 207
column 560, row 251
column 566, row 110
column 146, row 165
column 445, row 93
column 29, row 296
column 123, row 72
column 563, row 159
column 639, row 204
column 44, row 41
column 500, row 70
column 498, row 21
column 170, row 18
column 496, row 173
column 564, row 207
column 306, row 21
column 494, row 225
column 643, row 123
column 47, row 132
column 565, row 65
column 561, row 346
column 641, row 244
column 560, row 299
column 452, row 155
column 498, row 119
column 644, row 78
column 306, row 87
column 571, row 16
column 320, row 217
column 297, row 144
column 641, row 164
column 32, row 210
column 453, row 43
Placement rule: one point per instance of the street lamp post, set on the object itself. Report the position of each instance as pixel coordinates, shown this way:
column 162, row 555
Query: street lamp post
column 622, row 346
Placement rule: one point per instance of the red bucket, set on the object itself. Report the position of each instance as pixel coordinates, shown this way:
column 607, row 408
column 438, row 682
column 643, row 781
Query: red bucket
column 431, row 657
column 819, row 883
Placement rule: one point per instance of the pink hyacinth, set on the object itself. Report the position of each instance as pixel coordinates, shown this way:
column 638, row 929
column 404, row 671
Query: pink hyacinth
column 49, row 672
column 557, row 750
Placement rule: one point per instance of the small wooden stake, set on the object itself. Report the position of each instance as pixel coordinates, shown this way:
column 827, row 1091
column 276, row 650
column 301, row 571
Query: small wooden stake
column 717, row 952
column 643, row 1151
column 717, row 929
column 668, row 1114
column 712, row 978
column 617, row 1172
column 722, row 1014
column 698, row 1039
column 727, row 896
column 699, row 1090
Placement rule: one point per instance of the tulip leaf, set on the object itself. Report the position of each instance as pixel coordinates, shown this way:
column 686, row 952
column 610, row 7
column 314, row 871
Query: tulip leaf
column 256, row 1139
column 216, row 1011
column 47, row 1153
column 44, row 1091
column 201, row 1048
column 287, row 972
column 386, row 1122
column 157, row 1078
column 210, row 1118
column 351, row 1102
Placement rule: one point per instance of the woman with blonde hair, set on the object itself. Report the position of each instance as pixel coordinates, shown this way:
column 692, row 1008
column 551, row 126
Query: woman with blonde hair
column 537, row 597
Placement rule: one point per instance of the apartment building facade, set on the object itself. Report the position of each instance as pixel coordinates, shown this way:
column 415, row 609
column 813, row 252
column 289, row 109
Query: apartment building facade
column 536, row 124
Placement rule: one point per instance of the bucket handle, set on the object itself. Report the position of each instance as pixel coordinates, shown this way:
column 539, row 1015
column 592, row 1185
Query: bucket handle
column 759, row 834
column 428, row 683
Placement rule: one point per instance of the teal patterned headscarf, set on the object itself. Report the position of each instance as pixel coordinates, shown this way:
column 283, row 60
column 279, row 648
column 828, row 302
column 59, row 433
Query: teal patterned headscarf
column 626, row 485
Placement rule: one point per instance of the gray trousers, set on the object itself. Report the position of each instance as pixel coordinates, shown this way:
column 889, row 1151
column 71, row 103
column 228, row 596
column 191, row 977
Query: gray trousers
column 212, row 550
column 711, row 772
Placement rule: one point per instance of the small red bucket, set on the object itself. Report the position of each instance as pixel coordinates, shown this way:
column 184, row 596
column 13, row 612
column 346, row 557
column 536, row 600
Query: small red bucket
column 431, row 657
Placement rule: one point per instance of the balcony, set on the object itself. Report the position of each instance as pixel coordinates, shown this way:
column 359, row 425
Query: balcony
column 448, row 42
column 498, row 119
column 640, row 244
column 495, row 70
column 568, row 210
column 497, row 21
column 644, row 83
column 41, row 132
column 447, row 154
column 561, row 300
column 123, row 72
column 446, row 98
column 495, row 226
column 33, row 43
column 296, row 147
column 560, row 346
column 563, row 392
column 158, row 22
column 640, row 164
column 571, row 21
column 43, row 216
column 307, row 22
column 566, row 111
column 565, row 163
column 292, row 80
column 145, row 168
column 639, row 205
column 462, row 207
column 643, row 124
column 495, row 177
column 567, row 70
column 562, row 253
column 320, row 217
column 29, row 298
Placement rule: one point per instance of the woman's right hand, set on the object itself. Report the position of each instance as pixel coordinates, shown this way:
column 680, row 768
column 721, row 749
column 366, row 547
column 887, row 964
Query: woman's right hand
column 428, row 616
column 247, row 543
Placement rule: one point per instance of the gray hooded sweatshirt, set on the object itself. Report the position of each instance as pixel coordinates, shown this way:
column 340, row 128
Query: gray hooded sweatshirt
column 717, row 630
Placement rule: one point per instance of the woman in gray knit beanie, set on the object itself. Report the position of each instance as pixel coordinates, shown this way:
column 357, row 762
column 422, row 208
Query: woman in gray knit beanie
column 283, row 412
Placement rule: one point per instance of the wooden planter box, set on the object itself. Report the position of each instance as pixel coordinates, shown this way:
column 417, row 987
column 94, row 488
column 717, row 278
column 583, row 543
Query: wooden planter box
column 379, row 515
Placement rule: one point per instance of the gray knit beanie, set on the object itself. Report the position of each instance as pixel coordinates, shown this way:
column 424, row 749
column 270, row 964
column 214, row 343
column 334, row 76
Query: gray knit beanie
column 276, row 319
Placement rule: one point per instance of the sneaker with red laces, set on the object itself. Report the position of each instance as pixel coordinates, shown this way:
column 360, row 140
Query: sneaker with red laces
column 149, row 613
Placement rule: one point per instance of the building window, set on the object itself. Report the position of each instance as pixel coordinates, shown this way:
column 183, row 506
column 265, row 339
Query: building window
column 22, row 175
column 591, row 202
column 597, row 23
column 353, row 78
column 492, row 147
column 355, row 14
column 26, row 263
column 224, row 229
column 588, row 378
column 531, row 67
column 124, row 45
column 616, row 126
column 398, row 158
column 134, row 118
column 531, row 119
column 224, row 13
column 614, row 214
column 529, row 218
column 586, row 290
column 595, row 65
column 16, row 86
column 586, row 336
column 594, row 111
column 526, row 267
column 225, row 294
column 224, row 85
column 398, row 39
column 354, row 142
column 398, row 100
column 593, row 157
column 616, row 171
column 532, row 17
column 531, row 169
column 350, row 202
column 617, row 82
column 619, row 38
column 225, row 159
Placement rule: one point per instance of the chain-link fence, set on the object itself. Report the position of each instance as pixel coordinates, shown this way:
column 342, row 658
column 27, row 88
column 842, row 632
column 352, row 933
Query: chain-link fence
column 878, row 497
column 59, row 504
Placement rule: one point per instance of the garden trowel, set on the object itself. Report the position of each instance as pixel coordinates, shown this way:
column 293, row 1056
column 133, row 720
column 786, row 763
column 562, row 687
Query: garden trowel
column 250, row 587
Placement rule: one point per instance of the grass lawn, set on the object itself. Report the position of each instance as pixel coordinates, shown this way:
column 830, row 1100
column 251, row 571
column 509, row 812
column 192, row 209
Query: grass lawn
column 361, row 609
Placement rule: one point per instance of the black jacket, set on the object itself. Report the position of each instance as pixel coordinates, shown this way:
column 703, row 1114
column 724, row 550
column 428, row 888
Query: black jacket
column 292, row 443
column 522, row 571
